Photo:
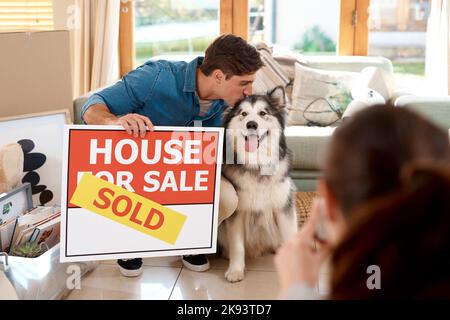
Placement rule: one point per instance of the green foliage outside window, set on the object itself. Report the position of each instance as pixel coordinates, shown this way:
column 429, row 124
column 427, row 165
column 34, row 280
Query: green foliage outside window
column 315, row 40
column 415, row 68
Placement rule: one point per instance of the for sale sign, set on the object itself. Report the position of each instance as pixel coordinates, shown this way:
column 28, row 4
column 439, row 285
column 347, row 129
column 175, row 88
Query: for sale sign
column 126, row 197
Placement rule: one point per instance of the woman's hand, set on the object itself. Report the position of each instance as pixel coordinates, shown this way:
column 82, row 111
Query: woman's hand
column 299, row 259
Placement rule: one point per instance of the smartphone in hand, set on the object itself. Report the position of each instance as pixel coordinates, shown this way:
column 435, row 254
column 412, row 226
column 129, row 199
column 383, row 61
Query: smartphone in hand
column 320, row 230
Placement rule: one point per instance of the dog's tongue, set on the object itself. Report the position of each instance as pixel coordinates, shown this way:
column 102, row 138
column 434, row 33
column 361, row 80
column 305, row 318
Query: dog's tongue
column 251, row 144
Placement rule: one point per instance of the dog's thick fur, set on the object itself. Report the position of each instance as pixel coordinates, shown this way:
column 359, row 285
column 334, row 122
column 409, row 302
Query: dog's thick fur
column 266, row 213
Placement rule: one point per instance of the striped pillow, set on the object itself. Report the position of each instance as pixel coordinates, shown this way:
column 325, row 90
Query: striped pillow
column 271, row 75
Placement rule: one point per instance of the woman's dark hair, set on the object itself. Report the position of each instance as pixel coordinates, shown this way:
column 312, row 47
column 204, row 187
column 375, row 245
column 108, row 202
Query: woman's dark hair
column 367, row 152
column 405, row 234
column 232, row 55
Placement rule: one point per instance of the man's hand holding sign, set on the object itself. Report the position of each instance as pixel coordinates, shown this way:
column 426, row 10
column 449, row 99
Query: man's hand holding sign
column 159, row 192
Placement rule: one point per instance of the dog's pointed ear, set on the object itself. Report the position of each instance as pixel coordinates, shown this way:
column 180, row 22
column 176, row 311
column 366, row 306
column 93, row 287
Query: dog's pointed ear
column 277, row 97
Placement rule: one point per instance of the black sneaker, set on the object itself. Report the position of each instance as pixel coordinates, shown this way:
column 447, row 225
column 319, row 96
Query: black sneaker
column 130, row 267
column 198, row 262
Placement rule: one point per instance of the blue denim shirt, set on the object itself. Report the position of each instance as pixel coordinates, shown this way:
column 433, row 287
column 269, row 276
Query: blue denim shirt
column 164, row 91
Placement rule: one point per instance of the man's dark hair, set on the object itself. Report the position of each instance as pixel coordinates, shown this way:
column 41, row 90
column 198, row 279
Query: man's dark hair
column 232, row 55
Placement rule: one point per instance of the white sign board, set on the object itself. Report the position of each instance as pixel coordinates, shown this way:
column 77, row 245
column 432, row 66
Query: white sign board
column 125, row 197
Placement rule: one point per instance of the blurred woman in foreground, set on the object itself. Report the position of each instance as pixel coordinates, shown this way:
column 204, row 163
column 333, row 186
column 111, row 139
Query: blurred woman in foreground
column 384, row 213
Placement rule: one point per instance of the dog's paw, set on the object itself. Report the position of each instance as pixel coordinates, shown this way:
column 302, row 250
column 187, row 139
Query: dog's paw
column 234, row 275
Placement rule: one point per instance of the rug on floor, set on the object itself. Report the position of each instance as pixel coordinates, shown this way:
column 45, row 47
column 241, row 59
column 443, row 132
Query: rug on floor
column 304, row 202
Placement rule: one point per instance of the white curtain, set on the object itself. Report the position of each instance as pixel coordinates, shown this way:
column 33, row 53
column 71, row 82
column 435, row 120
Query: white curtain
column 94, row 33
column 437, row 67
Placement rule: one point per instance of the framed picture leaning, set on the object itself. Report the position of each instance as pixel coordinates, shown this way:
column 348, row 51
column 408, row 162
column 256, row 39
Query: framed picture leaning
column 13, row 204
column 41, row 138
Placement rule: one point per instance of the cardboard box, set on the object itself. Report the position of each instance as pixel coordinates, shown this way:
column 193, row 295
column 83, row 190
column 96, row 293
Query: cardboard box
column 35, row 72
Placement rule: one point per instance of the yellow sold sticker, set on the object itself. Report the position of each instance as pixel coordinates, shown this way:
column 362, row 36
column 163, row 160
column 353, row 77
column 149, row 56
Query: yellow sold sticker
column 128, row 208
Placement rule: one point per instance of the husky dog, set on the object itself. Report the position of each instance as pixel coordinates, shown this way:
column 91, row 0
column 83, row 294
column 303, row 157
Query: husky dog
column 257, row 165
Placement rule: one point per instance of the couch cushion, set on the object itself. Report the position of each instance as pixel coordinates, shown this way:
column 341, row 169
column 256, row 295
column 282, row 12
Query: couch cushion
column 287, row 63
column 320, row 97
column 78, row 103
column 436, row 109
column 307, row 145
column 271, row 74
column 348, row 63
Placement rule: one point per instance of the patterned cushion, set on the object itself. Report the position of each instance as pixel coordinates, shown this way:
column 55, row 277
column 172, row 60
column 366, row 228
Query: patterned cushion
column 319, row 97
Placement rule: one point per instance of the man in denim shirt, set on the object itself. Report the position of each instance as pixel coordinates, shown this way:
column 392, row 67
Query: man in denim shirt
column 165, row 93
